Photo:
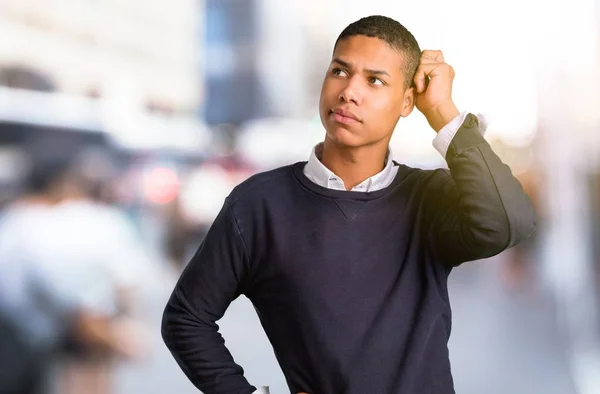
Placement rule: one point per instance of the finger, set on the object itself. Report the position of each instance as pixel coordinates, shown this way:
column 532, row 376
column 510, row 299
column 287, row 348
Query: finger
column 428, row 61
column 420, row 80
column 427, row 71
column 422, row 75
column 434, row 55
column 434, row 69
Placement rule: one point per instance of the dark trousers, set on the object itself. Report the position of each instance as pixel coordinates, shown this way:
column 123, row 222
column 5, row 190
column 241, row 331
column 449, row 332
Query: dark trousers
column 22, row 367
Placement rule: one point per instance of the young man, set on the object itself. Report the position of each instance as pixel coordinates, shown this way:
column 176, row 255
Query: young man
column 346, row 257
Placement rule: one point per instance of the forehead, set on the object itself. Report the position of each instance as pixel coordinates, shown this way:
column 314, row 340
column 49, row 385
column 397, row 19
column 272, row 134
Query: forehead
column 370, row 53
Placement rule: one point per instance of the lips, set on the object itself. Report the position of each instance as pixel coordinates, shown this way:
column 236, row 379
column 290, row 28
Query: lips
column 344, row 116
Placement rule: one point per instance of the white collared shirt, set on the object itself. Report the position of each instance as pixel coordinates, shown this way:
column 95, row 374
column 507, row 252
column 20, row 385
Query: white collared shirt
column 323, row 176
column 316, row 171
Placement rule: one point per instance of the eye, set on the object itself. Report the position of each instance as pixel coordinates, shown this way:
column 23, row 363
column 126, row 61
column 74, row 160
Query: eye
column 338, row 72
column 376, row 81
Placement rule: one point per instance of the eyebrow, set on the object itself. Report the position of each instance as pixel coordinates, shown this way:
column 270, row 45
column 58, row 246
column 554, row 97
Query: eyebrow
column 350, row 65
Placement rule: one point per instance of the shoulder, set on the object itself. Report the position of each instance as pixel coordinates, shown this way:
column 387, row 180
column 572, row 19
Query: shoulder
column 425, row 183
column 17, row 216
column 262, row 185
column 422, row 176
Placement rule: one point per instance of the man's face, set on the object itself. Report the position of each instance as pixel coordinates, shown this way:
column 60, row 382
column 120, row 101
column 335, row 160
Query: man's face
column 363, row 94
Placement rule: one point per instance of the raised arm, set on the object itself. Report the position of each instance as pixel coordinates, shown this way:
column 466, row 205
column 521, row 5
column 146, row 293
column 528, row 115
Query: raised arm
column 478, row 208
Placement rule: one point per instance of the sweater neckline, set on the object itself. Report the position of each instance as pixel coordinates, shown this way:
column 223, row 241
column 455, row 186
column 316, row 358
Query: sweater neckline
column 298, row 170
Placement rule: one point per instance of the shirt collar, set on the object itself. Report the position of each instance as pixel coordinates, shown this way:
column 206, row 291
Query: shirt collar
column 316, row 171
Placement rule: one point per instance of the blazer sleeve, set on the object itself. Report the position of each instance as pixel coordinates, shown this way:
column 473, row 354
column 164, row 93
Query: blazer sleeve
column 477, row 208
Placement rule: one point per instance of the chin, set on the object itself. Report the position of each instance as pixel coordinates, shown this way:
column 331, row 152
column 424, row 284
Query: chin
column 344, row 137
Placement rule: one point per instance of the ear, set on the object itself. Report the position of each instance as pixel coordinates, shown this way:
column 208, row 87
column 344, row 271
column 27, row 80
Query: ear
column 409, row 102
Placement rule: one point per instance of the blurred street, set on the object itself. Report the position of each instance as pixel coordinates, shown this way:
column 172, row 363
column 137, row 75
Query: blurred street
column 125, row 124
column 501, row 342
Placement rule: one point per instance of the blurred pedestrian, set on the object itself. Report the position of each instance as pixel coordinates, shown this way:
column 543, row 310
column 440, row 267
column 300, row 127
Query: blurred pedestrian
column 102, row 257
column 37, row 310
column 34, row 312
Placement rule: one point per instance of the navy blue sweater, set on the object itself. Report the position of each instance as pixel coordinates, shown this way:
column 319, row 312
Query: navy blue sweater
column 350, row 287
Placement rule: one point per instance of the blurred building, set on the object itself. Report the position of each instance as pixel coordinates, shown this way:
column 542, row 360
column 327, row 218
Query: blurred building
column 126, row 72
column 142, row 53
column 265, row 58
column 232, row 83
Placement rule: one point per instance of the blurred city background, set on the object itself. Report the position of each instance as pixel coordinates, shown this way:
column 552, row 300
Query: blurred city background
column 125, row 123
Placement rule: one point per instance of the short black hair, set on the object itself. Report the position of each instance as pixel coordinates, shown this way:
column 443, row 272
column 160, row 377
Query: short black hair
column 49, row 158
column 394, row 34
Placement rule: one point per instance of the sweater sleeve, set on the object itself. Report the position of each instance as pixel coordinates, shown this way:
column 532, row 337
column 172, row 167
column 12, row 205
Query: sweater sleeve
column 210, row 282
column 478, row 207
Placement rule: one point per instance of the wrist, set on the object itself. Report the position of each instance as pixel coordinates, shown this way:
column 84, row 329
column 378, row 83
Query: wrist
column 441, row 115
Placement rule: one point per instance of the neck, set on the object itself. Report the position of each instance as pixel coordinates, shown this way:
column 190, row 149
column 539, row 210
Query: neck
column 354, row 165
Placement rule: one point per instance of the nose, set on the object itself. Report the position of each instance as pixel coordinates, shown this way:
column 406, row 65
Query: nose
column 351, row 92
